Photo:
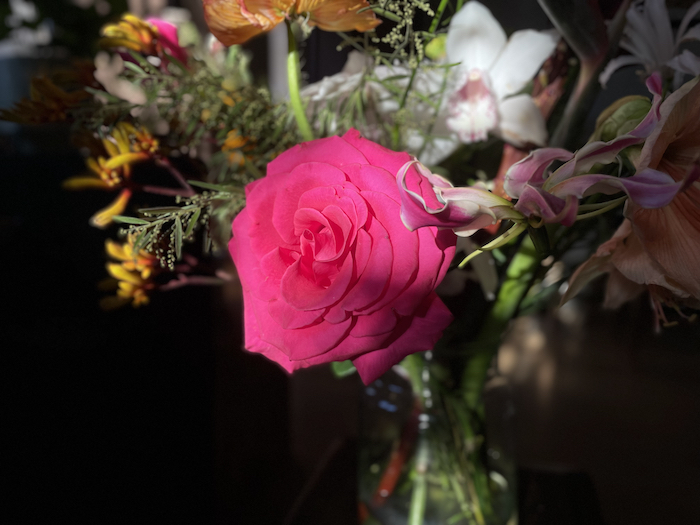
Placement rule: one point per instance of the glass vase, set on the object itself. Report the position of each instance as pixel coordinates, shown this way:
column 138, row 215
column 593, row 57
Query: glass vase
column 424, row 458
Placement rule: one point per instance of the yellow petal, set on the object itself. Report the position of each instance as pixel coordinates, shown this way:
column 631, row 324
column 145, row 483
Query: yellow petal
column 116, row 250
column 124, row 158
column 103, row 218
column 140, row 299
column 110, row 147
column 117, row 271
column 84, row 183
column 119, row 42
column 121, row 135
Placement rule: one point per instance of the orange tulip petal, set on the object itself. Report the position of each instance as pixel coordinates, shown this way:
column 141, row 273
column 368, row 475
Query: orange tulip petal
column 236, row 21
column 339, row 15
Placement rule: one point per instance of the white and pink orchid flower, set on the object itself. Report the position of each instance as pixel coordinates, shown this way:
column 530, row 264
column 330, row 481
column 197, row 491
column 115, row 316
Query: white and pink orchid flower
column 492, row 70
column 554, row 198
column 649, row 38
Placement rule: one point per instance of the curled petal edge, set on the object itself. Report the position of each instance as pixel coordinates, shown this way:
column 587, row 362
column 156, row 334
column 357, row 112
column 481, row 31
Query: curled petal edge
column 463, row 209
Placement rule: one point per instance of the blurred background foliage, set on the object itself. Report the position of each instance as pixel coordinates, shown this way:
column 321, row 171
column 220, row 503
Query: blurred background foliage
column 70, row 21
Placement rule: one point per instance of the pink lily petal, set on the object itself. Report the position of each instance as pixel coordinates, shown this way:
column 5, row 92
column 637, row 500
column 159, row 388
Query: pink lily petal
column 532, row 169
column 649, row 188
column 537, row 202
column 433, row 201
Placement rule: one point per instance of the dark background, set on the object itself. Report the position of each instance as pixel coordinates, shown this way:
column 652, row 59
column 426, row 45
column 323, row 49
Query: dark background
column 155, row 415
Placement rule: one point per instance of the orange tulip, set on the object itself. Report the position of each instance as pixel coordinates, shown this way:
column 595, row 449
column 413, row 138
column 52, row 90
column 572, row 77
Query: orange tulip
column 236, row 21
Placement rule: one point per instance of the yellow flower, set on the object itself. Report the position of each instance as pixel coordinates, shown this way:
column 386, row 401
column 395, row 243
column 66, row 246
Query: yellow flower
column 126, row 145
column 236, row 147
column 133, row 272
column 236, row 21
column 132, row 33
column 47, row 102
column 105, row 216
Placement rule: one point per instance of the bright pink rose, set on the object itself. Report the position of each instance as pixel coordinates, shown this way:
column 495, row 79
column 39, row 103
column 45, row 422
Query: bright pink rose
column 328, row 270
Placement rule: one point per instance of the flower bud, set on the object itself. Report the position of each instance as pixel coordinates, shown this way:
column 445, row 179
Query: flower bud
column 621, row 117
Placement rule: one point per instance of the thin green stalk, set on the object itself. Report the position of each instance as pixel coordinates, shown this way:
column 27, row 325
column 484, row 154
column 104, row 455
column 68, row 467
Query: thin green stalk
column 611, row 206
column 402, row 104
column 438, row 16
column 419, row 496
column 499, row 241
column 294, row 81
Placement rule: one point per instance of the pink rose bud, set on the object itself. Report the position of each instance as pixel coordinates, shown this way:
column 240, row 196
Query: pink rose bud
column 328, row 270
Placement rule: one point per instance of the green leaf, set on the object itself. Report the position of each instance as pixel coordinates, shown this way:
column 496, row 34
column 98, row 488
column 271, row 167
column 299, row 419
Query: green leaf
column 145, row 64
column 343, row 368
column 210, row 186
column 160, row 210
column 142, row 240
column 207, row 241
column 129, row 220
column 178, row 238
column 108, row 96
column 193, row 222
column 177, row 63
column 136, row 69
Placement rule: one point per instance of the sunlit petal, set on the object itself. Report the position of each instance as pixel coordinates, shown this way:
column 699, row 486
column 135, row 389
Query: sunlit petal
column 339, row 15
column 475, row 37
column 521, row 59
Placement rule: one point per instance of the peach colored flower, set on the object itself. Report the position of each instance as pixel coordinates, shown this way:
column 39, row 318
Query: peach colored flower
column 236, row 21
column 658, row 249
column 671, row 235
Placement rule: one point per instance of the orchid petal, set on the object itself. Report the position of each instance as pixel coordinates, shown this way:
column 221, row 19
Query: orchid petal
column 532, row 169
column 475, row 37
column 521, row 122
column 520, row 60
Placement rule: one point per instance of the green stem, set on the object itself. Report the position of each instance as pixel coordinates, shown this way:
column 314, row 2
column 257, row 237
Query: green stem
column 438, row 16
column 499, row 241
column 294, row 81
column 516, row 284
column 419, row 495
column 396, row 131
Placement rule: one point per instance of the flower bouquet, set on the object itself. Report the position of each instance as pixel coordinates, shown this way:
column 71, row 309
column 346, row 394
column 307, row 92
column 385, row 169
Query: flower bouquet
column 392, row 219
